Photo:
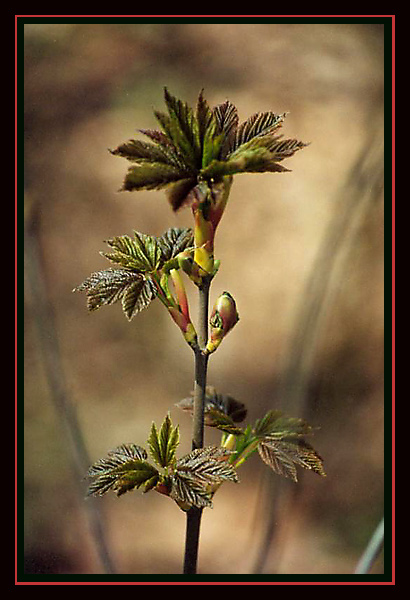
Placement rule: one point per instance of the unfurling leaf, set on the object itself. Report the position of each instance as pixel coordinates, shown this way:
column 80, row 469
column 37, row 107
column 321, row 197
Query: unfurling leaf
column 121, row 471
column 203, row 145
column 282, row 445
column 163, row 444
column 199, row 473
column 112, row 285
column 221, row 411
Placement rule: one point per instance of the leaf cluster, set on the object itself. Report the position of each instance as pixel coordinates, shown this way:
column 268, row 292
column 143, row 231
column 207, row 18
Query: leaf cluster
column 190, row 480
column 139, row 261
column 203, row 144
column 278, row 439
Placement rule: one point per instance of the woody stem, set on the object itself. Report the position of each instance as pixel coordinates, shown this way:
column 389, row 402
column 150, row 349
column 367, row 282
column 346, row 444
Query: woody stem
column 201, row 363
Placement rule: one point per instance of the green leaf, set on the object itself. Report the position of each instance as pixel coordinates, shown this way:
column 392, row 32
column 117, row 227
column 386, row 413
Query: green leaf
column 219, row 420
column 163, row 444
column 282, row 445
column 124, row 469
column 153, row 176
column 277, row 425
column 112, row 285
column 143, row 152
column 197, row 475
column 141, row 253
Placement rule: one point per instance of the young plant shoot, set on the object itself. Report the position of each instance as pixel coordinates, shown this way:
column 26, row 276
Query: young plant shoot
column 193, row 155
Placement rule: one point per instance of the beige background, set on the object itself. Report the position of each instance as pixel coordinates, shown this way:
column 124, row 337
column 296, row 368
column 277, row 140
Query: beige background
column 301, row 252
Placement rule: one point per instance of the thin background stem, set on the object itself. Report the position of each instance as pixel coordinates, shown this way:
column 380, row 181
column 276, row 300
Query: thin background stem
column 49, row 346
column 201, row 363
column 372, row 550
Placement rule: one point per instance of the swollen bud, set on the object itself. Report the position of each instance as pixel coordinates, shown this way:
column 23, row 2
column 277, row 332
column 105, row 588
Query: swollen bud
column 224, row 316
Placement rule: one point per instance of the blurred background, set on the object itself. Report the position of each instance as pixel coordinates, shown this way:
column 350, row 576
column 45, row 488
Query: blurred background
column 301, row 252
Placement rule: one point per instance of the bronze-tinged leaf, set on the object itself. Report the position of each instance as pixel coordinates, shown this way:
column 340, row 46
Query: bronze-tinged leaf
column 220, row 411
column 196, row 475
column 137, row 297
column 143, row 152
column 282, row 445
column 284, row 455
column 203, row 118
column 226, row 116
column 174, row 241
column 257, row 125
column 178, row 193
column 112, row 285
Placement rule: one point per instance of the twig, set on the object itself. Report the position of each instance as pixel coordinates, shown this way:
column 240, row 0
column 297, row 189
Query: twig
column 201, row 363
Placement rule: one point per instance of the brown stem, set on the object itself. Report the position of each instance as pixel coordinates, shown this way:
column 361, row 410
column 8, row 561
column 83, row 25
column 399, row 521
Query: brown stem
column 201, row 363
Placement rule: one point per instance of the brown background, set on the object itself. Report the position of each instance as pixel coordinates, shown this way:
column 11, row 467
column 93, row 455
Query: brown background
column 301, row 252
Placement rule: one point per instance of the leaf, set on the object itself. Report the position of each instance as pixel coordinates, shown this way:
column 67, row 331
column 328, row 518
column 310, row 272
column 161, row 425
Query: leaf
column 203, row 119
column 277, row 425
column 174, row 241
column 138, row 296
column 122, row 470
column 141, row 253
column 257, row 125
column 163, row 444
column 142, row 152
column 112, row 285
column 226, row 116
column 221, row 411
column 218, row 419
column 282, row 445
column 153, row 176
column 197, row 473
column 178, row 192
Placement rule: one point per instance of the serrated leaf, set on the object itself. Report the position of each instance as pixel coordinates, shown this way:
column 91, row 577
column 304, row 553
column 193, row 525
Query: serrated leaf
column 112, row 285
column 121, row 471
column 153, row 176
column 196, row 475
column 217, row 403
column 174, row 241
column 219, row 420
column 256, row 125
column 142, row 152
column 282, row 445
column 283, row 456
column 277, row 425
column 141, row 253
column 163, row 444
column 182, row 128
column 138, row 296
column 226, row 116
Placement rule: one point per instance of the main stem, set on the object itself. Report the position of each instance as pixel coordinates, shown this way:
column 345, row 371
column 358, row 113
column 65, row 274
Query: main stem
column 201, row 363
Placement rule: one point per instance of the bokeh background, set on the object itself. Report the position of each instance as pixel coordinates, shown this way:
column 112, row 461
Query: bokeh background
column 301, row 252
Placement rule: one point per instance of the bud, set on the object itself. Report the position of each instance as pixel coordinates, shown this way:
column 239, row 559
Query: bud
column 190, row 267
column 185, row 325
column 224, row 316
column 208, row 207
